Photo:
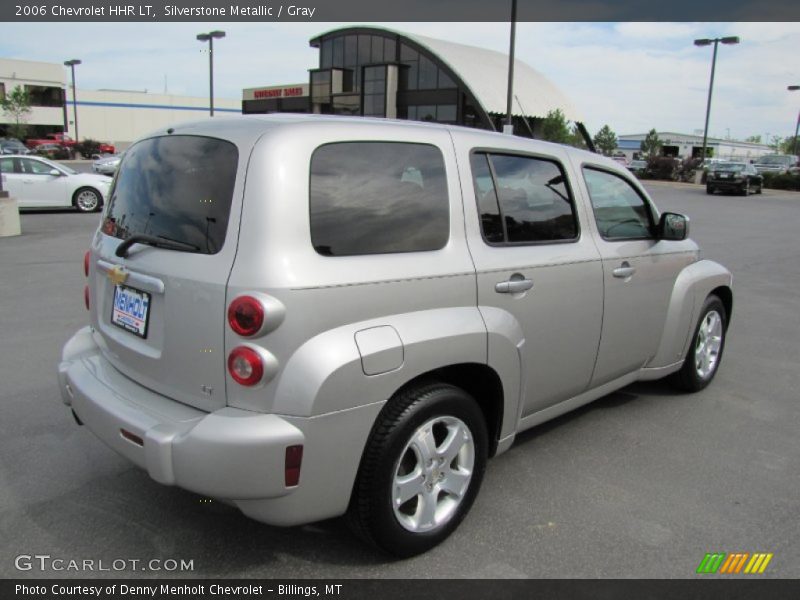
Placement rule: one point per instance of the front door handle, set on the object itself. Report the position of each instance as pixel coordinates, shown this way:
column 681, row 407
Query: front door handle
column 624, row 271
column 513, row 286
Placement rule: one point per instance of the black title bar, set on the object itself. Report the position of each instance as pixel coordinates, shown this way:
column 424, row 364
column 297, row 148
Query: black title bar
column 395, row 10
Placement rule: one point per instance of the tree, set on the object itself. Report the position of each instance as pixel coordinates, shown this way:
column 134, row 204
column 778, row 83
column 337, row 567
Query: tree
column 17, row 105
column 651, row 145
column 775, row 143
column 605, row 140
column 788, row 146
column 754, row 139
column 576, row 138
column 554, row 127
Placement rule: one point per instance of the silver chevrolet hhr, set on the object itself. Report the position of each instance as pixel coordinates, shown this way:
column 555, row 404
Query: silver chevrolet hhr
column 316, row 316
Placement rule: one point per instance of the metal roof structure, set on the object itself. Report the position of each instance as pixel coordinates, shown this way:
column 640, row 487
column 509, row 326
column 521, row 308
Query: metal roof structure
column 485, row 73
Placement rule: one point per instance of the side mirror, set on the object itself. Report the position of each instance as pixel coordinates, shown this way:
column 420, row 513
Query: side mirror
column 672, row 226
column 55, row 173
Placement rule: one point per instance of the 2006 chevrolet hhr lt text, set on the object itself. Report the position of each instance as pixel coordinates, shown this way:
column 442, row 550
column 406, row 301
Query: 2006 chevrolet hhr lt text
column 315, row 316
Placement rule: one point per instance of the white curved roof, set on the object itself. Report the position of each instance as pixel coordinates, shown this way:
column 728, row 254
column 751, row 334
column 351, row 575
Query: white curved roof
column 486, row 73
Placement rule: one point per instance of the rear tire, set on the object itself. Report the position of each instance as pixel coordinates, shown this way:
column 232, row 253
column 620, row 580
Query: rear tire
column 421, row 469
column 705, row 352
column 87, row 199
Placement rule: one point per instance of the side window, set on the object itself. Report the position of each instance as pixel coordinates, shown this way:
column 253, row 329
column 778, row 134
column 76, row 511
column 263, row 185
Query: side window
column 34, row 167
column 378, row 198
column 522, row 199
column 620, row 212
column 6, row 165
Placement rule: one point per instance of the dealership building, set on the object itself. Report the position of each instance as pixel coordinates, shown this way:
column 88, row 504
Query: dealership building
column 116, row 116
column 683, row 145
column 377, row 72
column 364, row 71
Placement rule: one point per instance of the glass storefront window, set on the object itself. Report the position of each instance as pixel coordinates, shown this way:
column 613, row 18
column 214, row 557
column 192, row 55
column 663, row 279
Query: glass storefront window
column 338, row 52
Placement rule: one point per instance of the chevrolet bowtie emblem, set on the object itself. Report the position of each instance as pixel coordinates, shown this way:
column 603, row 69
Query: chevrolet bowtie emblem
column 118, row 274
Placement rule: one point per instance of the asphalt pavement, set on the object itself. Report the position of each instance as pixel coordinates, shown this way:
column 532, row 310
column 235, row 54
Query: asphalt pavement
column 641, row 483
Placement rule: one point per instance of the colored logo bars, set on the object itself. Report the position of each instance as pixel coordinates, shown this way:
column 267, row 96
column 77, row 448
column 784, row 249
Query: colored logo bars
column 720, row 562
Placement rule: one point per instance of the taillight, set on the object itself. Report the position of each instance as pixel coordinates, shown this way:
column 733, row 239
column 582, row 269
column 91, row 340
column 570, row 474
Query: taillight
column 245, row 366
column 86, row 296
column 86, row 263
column 294, row 460
column 246, row 315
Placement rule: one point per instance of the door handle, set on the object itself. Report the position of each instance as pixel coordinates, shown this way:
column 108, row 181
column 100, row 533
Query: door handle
column 513, row 286
column 624, row 271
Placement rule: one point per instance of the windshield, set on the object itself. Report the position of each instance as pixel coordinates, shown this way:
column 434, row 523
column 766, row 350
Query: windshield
column 775, row 160
column 729, row 167
column 178, row 188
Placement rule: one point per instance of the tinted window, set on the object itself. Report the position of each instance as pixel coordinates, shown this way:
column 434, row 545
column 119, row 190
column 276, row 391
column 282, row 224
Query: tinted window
column 491, row 224
column 378, row 197
column 176, row 187
column 619, row 210
column 534, row 202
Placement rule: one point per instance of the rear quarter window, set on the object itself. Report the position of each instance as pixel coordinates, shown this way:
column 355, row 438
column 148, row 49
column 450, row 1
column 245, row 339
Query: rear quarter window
column 378, row 198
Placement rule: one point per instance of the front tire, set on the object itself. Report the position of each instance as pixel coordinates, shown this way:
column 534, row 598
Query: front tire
column 87, row 200
column 709, row 189
column 421, row 469
column 705, row 351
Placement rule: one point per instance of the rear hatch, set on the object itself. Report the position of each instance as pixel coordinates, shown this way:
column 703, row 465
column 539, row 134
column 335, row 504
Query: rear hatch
column 159, row 309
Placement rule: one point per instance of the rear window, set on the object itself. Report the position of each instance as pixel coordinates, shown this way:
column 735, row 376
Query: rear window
column 378, row 198
column 175, row 187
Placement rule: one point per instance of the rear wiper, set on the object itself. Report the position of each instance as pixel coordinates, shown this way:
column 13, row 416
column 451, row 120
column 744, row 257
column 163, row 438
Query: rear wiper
column 152, row 240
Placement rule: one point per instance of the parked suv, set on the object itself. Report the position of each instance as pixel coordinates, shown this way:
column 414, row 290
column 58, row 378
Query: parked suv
column 316, row 316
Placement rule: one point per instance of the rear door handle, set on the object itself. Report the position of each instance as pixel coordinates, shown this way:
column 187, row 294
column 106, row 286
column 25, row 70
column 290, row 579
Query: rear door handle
column 624, row 271
column 513, row 286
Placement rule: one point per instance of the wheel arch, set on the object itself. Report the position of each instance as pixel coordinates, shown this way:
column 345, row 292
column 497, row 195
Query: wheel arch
column 725, row 294
column 481, row 382
column 693, row 285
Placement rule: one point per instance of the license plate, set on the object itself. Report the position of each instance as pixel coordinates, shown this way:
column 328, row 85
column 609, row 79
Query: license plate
column 131, row 310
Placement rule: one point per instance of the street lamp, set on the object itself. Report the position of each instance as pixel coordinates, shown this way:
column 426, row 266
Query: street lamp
column 794, row 88
column 707, row 42
column 209, row 37
column 71, row 64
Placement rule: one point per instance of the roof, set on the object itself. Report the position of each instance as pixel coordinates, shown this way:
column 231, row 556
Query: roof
column 485, row 72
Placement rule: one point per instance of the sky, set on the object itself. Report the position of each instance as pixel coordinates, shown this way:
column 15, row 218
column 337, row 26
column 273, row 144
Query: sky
column 631, row 76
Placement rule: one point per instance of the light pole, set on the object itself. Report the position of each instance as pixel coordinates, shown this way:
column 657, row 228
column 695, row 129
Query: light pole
column 209, row 37
column 71, row 64
column 708, row 42
column 509, row 126
column 794, row 88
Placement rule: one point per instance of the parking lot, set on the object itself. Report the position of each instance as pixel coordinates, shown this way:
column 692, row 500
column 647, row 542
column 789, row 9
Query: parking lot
column 641, row 483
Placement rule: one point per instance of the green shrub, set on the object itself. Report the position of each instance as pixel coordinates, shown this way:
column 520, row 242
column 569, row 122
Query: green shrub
column 784, row 181
column 663, row 167
column 88, row 148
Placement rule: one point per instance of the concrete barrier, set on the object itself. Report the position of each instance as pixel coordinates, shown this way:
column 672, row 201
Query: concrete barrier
column 9, row 216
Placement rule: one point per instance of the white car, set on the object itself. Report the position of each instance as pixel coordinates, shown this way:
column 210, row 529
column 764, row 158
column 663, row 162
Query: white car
column 40, row 183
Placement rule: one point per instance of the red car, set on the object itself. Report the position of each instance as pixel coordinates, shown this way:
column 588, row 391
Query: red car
column 64, row 140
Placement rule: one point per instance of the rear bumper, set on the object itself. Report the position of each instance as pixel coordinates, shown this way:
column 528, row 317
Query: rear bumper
column 231, row 454
column 726, row 184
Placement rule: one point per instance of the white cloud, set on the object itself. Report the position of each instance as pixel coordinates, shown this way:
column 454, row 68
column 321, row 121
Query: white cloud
column 655, row 31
